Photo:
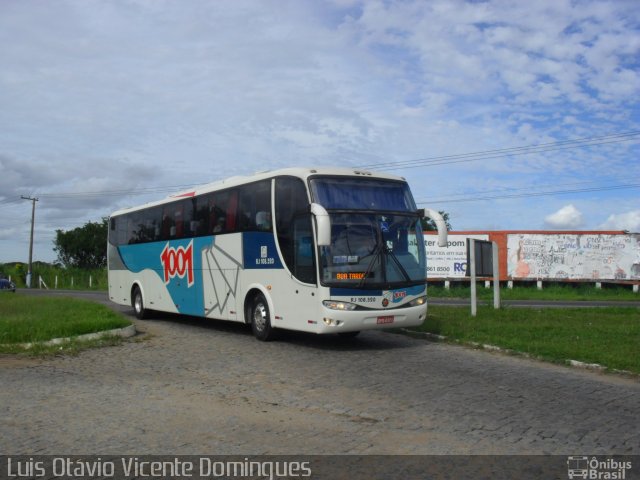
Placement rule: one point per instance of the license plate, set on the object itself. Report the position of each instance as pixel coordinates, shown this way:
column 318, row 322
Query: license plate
column 385, row 319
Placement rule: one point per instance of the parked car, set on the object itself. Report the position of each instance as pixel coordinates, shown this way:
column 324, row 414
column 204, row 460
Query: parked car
column 7, row 285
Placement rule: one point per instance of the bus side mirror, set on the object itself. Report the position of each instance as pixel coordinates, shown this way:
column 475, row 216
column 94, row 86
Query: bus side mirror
column 440, row 225
column 323, row 224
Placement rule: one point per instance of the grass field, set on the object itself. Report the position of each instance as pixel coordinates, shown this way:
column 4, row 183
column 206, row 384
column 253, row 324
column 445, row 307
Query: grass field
column 606, row 336
column 568, row 292
column 66, row 278
column 26, row 319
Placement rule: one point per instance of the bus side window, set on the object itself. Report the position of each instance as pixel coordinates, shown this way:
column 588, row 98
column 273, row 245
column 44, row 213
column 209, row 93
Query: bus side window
column 167, row 224
column 255, row 206
column 120, row 234
column 152, row 219
column 246, row 220
column 188, row 225
column 172, row 221
column 201, row 215
column 293, row 223
column 135, row 228
column 232, row 211
column 221, row 213
column 217, row 218
column 178, row 219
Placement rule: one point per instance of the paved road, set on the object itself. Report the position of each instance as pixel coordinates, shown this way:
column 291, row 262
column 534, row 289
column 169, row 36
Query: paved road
column 192, row 386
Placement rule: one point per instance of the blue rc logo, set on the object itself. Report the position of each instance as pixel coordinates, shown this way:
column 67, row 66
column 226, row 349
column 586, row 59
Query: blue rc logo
column 460, row 267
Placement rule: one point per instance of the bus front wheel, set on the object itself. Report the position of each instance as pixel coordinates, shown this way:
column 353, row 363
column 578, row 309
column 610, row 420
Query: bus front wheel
column 261, row 319
column 137, row 301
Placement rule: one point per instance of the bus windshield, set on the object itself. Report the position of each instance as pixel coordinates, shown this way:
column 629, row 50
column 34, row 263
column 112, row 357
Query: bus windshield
column 375, row 234
column 373, row 251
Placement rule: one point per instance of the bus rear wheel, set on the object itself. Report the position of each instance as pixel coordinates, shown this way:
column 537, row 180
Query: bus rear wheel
column 137, row 302
column 261, row 319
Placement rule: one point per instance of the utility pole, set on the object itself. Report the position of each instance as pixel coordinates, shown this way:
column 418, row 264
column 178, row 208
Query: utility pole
column 33, row 218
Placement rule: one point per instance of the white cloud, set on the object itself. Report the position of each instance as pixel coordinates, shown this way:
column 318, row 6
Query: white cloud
column 567, row 218
column 138, row 93
column 629, row 221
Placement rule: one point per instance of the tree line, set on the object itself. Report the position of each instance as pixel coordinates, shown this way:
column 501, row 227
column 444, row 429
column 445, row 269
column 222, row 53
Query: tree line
column 83, row 247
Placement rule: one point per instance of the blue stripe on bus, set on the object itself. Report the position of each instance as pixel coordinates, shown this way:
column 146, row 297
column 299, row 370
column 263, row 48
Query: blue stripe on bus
column 188, row 298
column 259, row 252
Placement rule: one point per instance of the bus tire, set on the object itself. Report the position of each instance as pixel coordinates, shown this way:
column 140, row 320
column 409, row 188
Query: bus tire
column 261, row 319
column 137, row 302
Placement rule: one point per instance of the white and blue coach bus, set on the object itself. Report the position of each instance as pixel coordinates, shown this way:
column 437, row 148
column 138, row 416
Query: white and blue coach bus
column 324, row 250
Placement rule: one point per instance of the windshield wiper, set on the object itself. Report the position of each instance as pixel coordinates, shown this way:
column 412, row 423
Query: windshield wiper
column 399, row 265
column 376, row 254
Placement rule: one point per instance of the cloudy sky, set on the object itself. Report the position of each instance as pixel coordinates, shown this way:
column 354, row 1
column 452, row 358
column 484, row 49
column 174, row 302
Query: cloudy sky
column 506, row 114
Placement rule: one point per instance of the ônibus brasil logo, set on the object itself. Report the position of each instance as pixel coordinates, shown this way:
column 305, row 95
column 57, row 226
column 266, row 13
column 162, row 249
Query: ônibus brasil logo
column 177, row 262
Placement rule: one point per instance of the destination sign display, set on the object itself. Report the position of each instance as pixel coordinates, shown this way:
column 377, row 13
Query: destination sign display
column 349, row 275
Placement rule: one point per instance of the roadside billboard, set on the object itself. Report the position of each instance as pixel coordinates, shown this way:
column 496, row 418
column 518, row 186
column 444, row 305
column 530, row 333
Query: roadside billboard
column 573, row 256
column 449, row 261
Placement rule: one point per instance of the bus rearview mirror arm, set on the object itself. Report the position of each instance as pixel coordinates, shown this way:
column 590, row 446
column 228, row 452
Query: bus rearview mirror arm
column 441, row 225
column 323, row 224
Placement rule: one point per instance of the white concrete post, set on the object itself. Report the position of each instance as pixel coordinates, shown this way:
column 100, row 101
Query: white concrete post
column 496, row 276
column 472, row 266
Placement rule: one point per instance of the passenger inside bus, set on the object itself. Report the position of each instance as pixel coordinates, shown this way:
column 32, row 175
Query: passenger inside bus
column 263, row 221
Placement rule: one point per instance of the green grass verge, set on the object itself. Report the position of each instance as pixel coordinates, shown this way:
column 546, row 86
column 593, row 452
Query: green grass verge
column 607, row 336
column 67, row 278
column 27, row 319
column 569, row 292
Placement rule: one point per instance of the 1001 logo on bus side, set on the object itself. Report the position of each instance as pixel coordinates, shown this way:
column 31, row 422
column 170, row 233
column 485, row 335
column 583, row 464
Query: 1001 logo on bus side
column 177, row 262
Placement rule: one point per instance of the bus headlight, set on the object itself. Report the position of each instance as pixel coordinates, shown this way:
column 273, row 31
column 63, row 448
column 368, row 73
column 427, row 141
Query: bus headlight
column 418, row 301
column 334, row 305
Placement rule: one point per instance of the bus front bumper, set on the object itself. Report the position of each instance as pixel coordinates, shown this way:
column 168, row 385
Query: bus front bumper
column 338, row 321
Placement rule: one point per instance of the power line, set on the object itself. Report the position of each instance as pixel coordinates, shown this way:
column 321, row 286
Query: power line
column 506, row 152
column 533, row 194
column 484, row 195
column 10, row 200
column 509, row 190
column 431, row 161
